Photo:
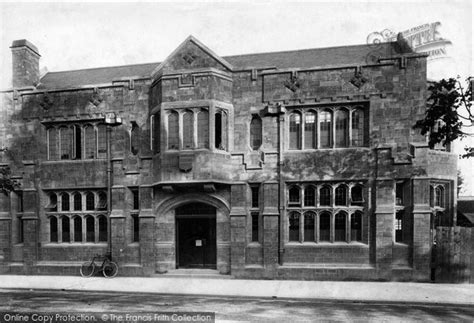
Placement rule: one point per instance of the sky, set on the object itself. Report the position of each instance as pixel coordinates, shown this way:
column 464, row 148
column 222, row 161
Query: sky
column 77, row 35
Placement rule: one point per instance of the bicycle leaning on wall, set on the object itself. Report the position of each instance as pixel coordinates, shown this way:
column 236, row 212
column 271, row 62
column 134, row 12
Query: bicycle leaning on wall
column 108, row 268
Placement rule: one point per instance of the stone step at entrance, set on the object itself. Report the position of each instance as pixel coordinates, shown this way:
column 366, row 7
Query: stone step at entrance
column 194, row 273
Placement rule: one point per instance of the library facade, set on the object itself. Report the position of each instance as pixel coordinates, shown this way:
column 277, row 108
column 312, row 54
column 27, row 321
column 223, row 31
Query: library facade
column 285, row 165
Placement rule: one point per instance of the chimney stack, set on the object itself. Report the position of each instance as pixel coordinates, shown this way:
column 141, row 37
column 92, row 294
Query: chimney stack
column 25, row 59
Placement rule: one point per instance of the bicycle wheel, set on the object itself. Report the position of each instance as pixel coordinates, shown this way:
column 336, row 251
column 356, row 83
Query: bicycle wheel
column 110, row 269
column 87, row 269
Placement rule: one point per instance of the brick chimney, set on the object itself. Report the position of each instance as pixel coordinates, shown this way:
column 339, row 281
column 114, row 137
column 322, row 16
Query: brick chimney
column 25, row 59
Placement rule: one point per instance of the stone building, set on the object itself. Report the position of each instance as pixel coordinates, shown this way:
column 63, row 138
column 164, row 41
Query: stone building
column 291, row 165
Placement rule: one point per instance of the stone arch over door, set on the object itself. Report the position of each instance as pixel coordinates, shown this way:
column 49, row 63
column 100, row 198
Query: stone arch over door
column 165, row 230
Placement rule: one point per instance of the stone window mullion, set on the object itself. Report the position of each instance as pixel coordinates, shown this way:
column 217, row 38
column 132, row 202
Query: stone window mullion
column 195, row 128
column 316, row 227
column 332, row 227
column 96, row 228
column 60, row 228
column 333, row 128
column 301, row 219
column 84, row 229
column 180, row 130
column 350, row 128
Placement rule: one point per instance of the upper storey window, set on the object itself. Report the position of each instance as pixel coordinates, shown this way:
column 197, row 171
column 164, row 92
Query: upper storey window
column 76, row 141
column 330, row 127
column 190, row 129
column 255, row 132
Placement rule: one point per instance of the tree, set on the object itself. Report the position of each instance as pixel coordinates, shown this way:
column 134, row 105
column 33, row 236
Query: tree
column 7, row 184
column 449, row 113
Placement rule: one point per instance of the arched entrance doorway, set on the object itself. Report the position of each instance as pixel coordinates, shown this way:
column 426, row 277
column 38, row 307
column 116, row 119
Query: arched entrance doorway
column 196, row 236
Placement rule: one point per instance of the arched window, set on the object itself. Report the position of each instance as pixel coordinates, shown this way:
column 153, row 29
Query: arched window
column 310, row 139
column 325, row 196
column 90, row 201
column 101, row 141
column 90, row 229
column 52, row 144
column 65, row 134
column 439, row 196
column 295, row 131
column 358, row 132
column 77, row 201
column 77, row 142
column 156, row 132
column 309, row 196
column 294, row 195
column 188, row 130
column 102, row 202
column 341, row 195
column 325, row 125
column 102, row 228
column 342, row 128
column 356, row 226
column 135, row 138
column 65, row 202
column 356, row 195
column 309, row 218
column 77, row 229
column 203, row 129
column 255, row 132
column 66, row 229
column 173, row 130
column 294, row 228
column 340, row 227
column 53, row 202
column 89, row 142
column 325, row 226
column 53, row 229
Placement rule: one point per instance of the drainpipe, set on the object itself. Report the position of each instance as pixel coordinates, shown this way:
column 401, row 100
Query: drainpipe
column 281, row 183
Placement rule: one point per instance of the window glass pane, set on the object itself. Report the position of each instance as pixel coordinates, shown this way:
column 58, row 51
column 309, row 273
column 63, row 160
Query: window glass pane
column 356, row 227
column 66, row 142
column 325, row 196
column 399, row 193
column 341, row 195
column 156, row 132
column 356, row 195
column 399, row 226
column 173, row 130
column 309, row 196
column 203, row 129
column 358, row 128
column 310, row 130
column 342, row 128
column 77, row 202
column 224, row 143
column 324, row 227
column 89, row 142
column 136, row 198
column 90, row 201
column 188, row 130
column 136, row 228
column 255, row 196
column 66, row 229
column 53, row 229
column 325, row 124
column 53, row 144
column 254, row 226
column 90, row 229
column 340, row 227
column 295, row 131
column 102, row 228
column 294, row 230
column 77, row 142
column 135, row 139
column 77, row 229
column 294, row 195
column 256, row 133
column 101, row 141
column 65, row 202
column 309, row 226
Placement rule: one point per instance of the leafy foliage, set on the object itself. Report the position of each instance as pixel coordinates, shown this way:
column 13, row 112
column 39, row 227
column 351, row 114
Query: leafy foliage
column 448, row 113
column 7, row 184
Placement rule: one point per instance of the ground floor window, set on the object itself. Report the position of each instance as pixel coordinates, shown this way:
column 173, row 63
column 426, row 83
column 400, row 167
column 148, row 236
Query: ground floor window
column 65, row 228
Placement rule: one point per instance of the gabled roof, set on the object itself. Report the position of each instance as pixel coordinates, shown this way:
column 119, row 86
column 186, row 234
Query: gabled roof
column 306, row 58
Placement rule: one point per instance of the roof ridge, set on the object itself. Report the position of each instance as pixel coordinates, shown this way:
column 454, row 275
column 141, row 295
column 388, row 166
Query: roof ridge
column 303, row 50
column 98, row 68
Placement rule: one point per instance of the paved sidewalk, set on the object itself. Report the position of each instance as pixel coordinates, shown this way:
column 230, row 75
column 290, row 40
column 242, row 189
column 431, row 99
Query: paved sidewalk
column 321, row 290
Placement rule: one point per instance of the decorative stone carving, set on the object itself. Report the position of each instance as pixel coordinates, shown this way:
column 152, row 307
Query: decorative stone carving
column 358, row 80
column 47, row 101
column 96, row 97
column 189, row 57
column 293, row 84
